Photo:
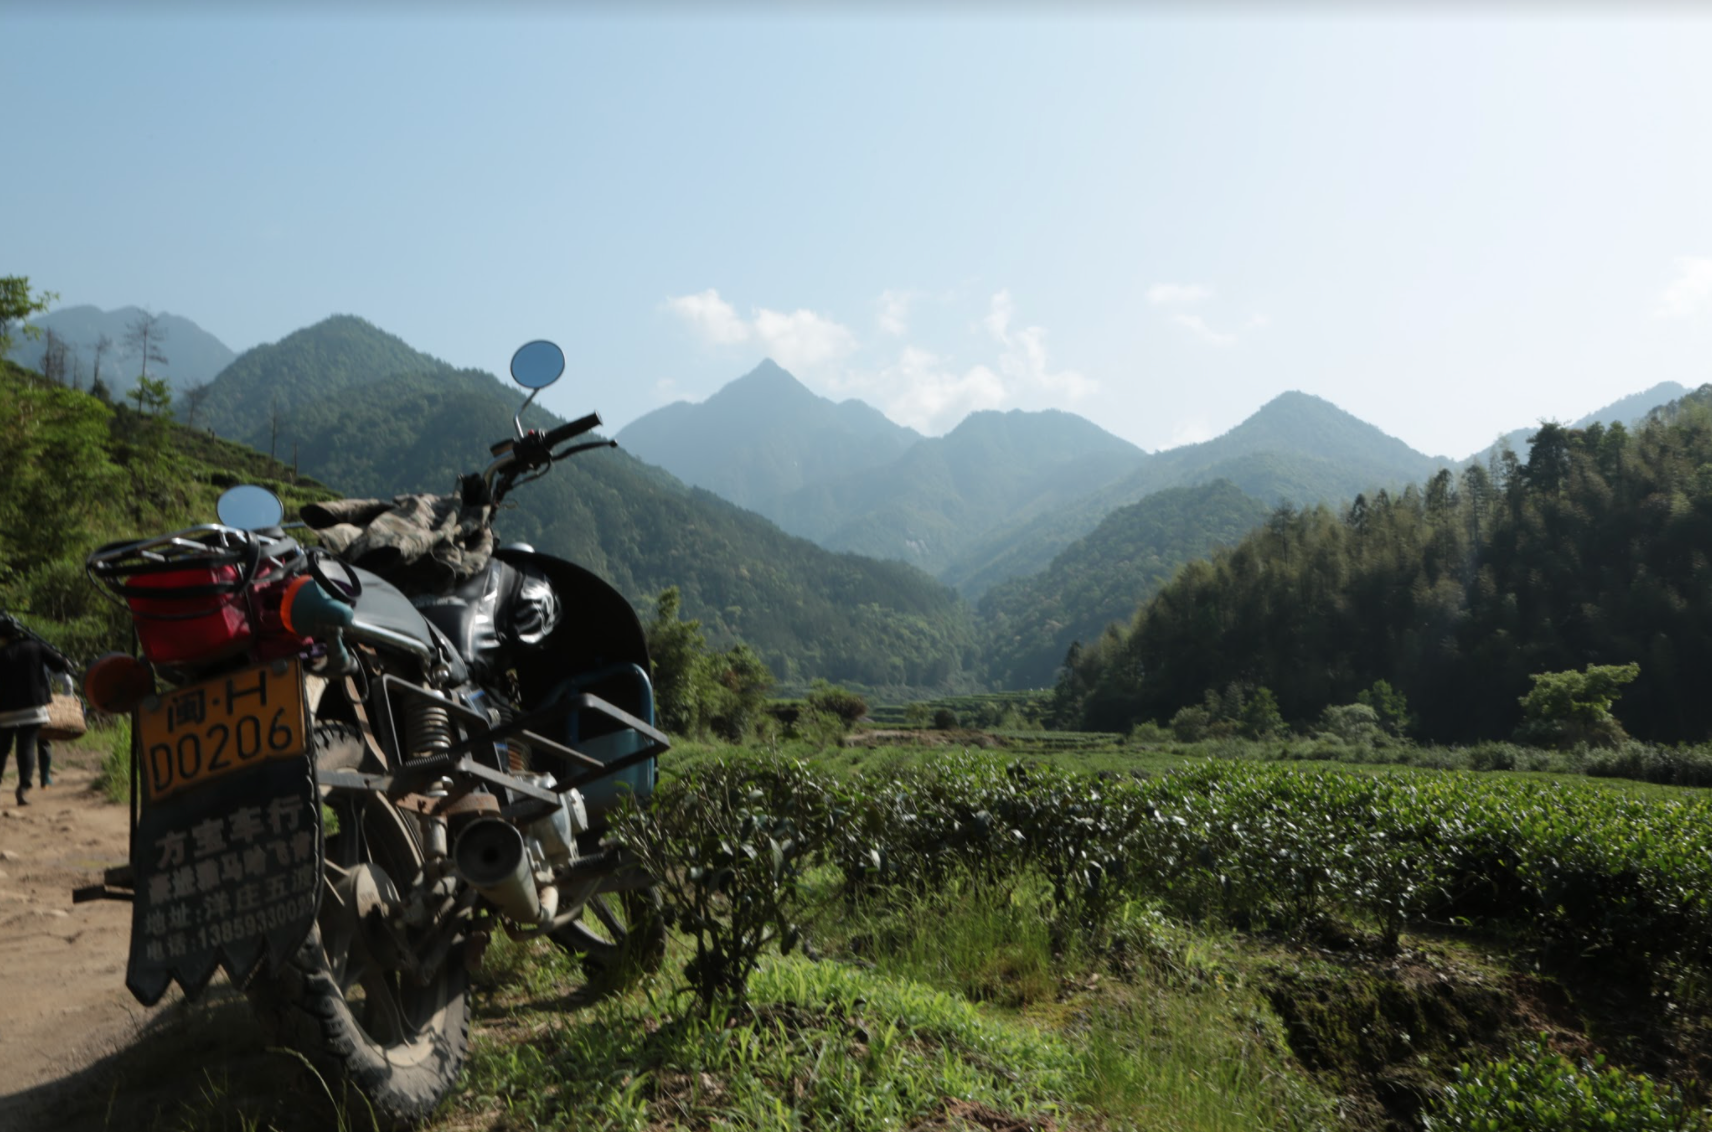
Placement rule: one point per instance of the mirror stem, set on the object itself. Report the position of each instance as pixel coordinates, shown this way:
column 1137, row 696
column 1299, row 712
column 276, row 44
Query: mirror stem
column 517, row 419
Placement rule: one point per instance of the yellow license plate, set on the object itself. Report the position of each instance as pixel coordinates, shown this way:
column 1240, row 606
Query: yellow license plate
column 208, row 730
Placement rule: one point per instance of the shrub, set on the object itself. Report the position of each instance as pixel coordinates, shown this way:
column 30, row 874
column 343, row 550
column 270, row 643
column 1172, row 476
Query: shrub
column 1355, row 724
column 834, row 700
column 945, row 719
column 1389, row 705
column 1566, row 709
column 1542, row 1091
column 727, row 844
column 1191, row 724
column 1146, row 732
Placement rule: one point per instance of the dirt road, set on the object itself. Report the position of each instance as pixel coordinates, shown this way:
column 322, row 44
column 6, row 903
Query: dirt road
column 63, row 1003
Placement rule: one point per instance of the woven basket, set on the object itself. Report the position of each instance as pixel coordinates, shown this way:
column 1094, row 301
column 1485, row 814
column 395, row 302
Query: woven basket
column 65, row 718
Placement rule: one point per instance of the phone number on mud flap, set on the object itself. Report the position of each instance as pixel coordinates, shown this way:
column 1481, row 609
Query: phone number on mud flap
column 255, row 923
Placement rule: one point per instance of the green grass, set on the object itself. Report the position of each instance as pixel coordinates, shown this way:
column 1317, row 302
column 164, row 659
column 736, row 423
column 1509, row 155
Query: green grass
column 969, row 999
column 113, row 740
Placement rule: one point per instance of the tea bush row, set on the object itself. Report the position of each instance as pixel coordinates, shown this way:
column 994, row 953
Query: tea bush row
column 1566, row 865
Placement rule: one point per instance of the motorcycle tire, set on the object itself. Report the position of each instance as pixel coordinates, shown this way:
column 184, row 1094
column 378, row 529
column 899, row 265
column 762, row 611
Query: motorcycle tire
column 620, row 937
column 400, row 1042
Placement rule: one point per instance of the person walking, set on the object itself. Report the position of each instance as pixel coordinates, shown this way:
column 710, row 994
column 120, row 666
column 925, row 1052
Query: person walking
column 24, row 696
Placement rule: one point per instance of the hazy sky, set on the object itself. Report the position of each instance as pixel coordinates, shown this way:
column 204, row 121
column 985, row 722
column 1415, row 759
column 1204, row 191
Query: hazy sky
column 1448, row 222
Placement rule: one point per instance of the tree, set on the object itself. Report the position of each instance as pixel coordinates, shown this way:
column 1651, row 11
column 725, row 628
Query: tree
column 1564, row 709
column 143, row 337
column 55, row 358
column 1389, row 705
column 194, row 396
column 152, row 395
column 103, row 347
column 676, row 649
column 16, row 305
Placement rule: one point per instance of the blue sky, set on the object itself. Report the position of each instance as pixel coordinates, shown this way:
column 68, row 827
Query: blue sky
column 1449, row 222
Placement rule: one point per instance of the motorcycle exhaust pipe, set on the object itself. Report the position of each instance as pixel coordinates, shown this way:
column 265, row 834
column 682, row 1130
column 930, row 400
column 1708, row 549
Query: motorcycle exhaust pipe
column 492, row 855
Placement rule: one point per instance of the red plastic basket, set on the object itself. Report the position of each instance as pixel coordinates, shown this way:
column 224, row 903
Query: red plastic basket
column 188, row 621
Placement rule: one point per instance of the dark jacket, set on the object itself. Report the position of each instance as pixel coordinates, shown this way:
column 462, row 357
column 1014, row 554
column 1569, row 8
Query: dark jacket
column 23, row 673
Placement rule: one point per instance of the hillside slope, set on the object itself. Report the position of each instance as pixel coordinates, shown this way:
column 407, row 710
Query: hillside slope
column 193, row 355
column 807, row 611
column 1296, row 448
column 1028, row 624
column 763, row 436
column 947, row 493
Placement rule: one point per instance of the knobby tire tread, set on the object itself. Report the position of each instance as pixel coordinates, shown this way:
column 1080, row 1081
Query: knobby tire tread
column 302, row 1007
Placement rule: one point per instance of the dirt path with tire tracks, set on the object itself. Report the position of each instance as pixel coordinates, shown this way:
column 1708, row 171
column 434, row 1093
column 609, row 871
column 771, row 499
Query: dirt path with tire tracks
column 63, row 1002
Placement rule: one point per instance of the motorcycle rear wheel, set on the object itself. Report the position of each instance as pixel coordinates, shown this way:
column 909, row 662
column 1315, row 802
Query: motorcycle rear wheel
column 398, row 1040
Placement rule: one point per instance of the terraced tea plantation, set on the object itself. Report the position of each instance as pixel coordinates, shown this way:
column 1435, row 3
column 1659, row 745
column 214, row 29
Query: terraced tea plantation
column 951, row 938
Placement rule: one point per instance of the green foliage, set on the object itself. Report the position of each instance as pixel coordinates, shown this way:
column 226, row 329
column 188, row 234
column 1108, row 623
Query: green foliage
column 1597, row 874
column 727, row 844
column 1566, row 709
column 945, row 719
column 1453, row 593
column 834, row 700
column 77, row 473
column 1390, row 707
column 1355, row 724
column 364, row 411
column 152, row 395
column 16, row 305
column 1027, row 623
column 1539, row 1090
column 697, row 692
column 114, row 740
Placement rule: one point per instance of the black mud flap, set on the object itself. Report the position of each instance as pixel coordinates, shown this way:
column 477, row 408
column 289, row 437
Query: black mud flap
column 226, row 875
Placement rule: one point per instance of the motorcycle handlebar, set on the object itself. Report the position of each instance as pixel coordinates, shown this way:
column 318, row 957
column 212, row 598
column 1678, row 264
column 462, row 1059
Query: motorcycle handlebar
column 572, row 428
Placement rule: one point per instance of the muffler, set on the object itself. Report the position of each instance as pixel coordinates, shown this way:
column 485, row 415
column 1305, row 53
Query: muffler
column 492, row 855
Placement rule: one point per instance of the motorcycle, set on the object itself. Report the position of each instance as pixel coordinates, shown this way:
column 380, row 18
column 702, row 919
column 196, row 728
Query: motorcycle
column 351, row 768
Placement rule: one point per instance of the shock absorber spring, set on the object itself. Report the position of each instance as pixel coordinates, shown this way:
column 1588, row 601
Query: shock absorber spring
column 516, row 750
column 427, row 727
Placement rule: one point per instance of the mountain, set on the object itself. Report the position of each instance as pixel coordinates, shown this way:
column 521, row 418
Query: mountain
column 318, row 365
column 807, row 611
column 1027, row 624
column 763, row 436
column 194, row 356
column 1629, row 411
column 1297, row 448
column 944, row 494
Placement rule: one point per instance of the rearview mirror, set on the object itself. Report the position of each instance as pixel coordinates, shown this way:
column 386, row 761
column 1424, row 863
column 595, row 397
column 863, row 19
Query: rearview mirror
column 537, row 364
column 249, row 507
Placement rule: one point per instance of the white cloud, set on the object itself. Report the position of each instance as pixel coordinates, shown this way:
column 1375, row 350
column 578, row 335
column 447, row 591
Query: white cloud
column 1166, row 294
column 921, row 391
column 1201, row 330
column 919, row 388
column 711, row 317
column 802, row 338
column 894, row 312
column 1690, row 293
column 1024, row 359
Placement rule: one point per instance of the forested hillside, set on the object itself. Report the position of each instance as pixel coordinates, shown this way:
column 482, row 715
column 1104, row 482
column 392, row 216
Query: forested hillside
column 1296, row 448
column 95, row 343
column 944, row 494
column 1592, row 551
column 807, row 611
column 78, row 473
column 1028, row 624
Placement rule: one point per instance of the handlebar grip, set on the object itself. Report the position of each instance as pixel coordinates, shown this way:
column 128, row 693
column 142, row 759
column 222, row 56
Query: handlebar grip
column 572, row 428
